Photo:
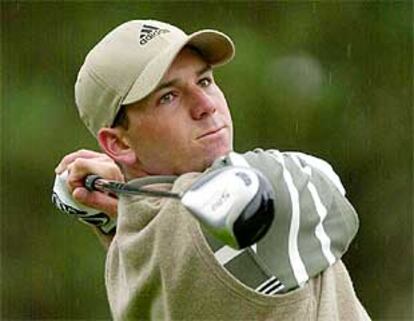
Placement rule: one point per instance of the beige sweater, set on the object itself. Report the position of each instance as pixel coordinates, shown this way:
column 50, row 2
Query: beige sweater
column 160, row 267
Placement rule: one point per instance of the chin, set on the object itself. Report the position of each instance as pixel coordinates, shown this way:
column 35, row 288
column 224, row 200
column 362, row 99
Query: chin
column 204, row 157
column 219, row 152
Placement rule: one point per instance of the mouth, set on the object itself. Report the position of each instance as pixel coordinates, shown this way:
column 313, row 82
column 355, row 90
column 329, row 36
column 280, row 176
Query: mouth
column 211, row 132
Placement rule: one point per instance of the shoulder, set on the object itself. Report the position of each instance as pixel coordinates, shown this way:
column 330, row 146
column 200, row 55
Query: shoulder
column 299, row 159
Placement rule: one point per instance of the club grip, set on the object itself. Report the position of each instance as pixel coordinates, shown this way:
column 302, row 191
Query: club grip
column 89, row 182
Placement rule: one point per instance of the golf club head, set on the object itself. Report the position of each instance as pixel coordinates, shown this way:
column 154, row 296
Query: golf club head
column 236, row 204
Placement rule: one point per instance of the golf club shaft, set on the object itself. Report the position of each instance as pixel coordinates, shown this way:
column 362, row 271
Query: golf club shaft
column 97, row 183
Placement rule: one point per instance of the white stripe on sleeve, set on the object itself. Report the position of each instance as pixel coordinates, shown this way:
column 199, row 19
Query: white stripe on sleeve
column 275, row 290
column 226, row 254
column 254, row 248
column 296, row 262
column 263, row 286
column 320, row 233
column 323, row 166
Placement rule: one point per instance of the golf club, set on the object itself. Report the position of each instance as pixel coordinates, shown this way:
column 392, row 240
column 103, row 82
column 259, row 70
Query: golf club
column 234, row 203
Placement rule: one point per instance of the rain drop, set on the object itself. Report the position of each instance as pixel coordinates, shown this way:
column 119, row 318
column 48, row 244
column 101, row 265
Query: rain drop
column 313, row 7
column 349, row 51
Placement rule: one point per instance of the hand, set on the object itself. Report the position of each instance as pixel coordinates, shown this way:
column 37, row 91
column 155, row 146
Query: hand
column 82, row 163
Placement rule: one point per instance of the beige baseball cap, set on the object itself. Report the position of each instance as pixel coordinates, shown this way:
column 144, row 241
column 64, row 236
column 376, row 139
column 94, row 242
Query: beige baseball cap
column 129, row 62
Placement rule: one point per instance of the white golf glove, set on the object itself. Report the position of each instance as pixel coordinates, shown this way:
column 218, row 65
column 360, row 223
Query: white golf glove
column 64, row 201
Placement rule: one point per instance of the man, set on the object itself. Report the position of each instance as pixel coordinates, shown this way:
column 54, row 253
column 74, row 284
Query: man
column 147, row 92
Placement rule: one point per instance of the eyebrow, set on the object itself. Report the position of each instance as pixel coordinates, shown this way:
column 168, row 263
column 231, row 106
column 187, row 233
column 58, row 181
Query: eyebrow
column 174, row 81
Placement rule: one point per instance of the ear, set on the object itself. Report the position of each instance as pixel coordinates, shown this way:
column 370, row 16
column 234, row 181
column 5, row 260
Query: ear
column 113, row 143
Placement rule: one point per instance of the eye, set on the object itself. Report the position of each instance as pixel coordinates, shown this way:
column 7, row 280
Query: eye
column 166, row 98
column 205, row 82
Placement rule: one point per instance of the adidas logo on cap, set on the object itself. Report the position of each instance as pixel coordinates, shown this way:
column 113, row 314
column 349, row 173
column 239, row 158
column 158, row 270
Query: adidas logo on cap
column 148, row 33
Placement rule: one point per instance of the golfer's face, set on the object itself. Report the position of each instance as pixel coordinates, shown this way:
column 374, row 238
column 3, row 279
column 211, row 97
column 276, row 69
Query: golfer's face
column 185, row 124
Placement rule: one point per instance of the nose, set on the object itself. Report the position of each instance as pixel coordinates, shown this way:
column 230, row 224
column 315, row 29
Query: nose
column 202, row 104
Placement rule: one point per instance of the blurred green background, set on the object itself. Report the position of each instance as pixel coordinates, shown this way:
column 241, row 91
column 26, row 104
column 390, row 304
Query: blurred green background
column 334, row 79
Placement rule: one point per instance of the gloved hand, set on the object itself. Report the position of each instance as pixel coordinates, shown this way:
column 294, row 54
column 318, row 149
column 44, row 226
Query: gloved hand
column 63, row 200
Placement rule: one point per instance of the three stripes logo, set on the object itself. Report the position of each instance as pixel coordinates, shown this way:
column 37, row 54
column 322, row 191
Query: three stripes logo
column 270, row 286
column 148, row 33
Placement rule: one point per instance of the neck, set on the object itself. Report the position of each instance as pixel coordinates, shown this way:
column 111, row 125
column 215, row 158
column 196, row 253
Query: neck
column 131, row 173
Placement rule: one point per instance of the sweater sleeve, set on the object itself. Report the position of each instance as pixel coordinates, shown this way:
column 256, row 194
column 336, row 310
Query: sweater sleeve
column 314, row 222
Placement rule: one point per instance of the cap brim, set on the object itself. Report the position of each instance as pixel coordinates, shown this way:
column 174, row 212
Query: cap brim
column 215, row 47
